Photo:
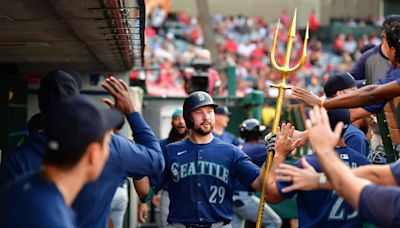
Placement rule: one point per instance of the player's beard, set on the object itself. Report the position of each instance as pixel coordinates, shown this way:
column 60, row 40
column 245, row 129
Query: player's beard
column 175, row 135
column 201, row 131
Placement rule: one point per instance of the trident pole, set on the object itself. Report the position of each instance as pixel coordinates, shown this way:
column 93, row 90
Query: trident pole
column 284, row 70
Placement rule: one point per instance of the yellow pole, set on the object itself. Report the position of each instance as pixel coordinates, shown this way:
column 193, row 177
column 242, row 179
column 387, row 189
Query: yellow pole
column 284, row 71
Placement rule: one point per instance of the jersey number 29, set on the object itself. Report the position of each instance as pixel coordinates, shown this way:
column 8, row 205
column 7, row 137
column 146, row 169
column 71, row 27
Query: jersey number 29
column 217, row 194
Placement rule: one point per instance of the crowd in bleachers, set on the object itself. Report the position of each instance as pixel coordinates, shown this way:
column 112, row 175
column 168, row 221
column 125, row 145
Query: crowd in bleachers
column 173, row 39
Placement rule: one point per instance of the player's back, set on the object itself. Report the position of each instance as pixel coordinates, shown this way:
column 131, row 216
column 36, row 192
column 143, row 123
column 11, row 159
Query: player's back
column 324, row 208
column 32, row 201
column 26, row 158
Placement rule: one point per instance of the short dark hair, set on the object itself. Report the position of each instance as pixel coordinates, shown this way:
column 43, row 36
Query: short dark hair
column 393, row 37
column 390, row 19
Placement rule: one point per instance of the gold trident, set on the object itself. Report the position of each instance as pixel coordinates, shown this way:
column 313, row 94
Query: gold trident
column 284, row 70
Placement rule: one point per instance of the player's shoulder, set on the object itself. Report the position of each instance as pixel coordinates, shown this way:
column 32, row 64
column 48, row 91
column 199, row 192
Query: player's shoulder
column 216, row 142
column 178, row 144
column 371, row 52
column 348, row 153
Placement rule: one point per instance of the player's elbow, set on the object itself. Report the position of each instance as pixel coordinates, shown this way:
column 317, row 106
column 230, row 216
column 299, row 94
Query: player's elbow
column 157, row 162
column 273, row 199
column 272, row 194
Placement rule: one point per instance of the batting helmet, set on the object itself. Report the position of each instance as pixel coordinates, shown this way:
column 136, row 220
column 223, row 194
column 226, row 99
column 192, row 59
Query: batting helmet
column 251, row 129
column 194, row 101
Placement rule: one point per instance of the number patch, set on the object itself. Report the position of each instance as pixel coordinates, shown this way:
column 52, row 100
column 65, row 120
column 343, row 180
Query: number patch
column 217, row 194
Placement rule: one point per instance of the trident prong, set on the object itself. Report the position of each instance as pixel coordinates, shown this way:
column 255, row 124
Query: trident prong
column 284, row 70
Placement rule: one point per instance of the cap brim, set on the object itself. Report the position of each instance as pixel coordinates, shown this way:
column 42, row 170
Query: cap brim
column 114, row 119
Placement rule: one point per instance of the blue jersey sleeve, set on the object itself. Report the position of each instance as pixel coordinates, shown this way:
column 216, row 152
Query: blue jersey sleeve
column 391, row 75
column 143, row 157
column 281, row 185
column 158, row 182
column 246, row 170
column 395, row 168
column 380, row 205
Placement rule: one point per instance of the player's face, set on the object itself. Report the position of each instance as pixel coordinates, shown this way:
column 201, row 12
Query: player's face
column 204, row 120
column 389, row 51
column 222, row 120
column 179, row 124
column 101, row 157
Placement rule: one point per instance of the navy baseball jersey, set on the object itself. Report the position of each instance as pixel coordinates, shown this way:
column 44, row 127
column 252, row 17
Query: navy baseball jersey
column 143, row 158
column 24, row 159
column 324, row 208
column 228, row 137
column 257, row 154
column 32, row 201
column 356, row 140
column 200, row 179
column 393, row 74
column 395, row 168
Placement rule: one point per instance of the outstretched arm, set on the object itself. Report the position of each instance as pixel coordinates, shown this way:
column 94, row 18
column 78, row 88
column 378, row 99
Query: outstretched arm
column 367, row 95
column 308, row 179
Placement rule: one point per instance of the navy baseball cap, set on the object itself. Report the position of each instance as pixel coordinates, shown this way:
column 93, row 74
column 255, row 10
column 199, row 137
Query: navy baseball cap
column 338, row 82
column 339, row 115
column 57, row 85
column 74, row 123
column 222, row 110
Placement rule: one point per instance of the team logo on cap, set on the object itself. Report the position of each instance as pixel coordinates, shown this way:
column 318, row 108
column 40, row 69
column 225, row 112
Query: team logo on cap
column 53, row 145
column 201, row 97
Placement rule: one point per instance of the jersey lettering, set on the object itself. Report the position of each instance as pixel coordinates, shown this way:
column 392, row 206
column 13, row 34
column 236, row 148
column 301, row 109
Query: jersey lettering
column 338, row 210
column 203, row 168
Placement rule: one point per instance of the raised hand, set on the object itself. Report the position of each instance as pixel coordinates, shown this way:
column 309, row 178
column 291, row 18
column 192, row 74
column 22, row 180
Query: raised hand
column 285, row 142
column 124, row 100
column 304, row 179
column 322, row 138
column 306, row 96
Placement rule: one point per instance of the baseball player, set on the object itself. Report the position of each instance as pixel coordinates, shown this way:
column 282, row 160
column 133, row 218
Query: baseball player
column 371, row 190
column 339, row 85
column 374, row 63
column 126, row 158
column 200, row 170
column 73, row 158
column 246, row 204
column 316, row 208
column 222, row 116
column 369, row 94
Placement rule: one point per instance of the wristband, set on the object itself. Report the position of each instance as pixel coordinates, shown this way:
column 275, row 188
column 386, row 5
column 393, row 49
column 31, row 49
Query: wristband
column 148, row 197
column 322, row 181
